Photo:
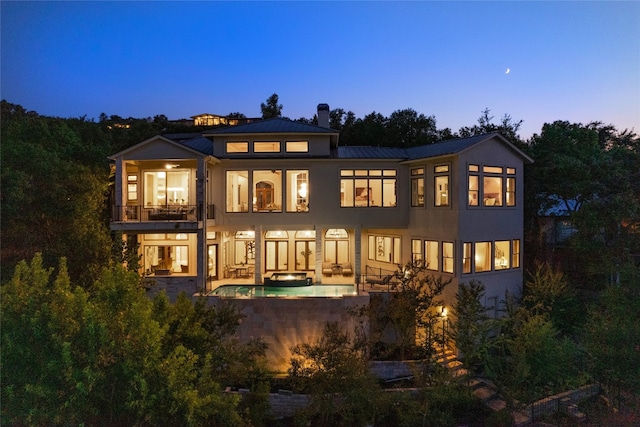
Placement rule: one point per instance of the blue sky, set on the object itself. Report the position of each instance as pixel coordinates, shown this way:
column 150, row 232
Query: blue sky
column 575, row 61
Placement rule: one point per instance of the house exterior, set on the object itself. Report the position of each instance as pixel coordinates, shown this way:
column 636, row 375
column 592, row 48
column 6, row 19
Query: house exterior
column 250, row 200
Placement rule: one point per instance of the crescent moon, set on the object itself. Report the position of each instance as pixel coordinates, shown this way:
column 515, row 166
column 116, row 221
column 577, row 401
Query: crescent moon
column 508, row 71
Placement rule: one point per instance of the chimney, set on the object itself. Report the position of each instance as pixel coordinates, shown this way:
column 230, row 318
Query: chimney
column 323, row 115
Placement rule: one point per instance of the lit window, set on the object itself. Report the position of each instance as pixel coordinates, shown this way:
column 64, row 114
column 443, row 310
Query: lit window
column 165, row 260
column 515, row 253
column 441, row 191
column 466, row 258
column 492, row 188
column 447, row 257
column 237, row 147
column 483, row 257
column 297, row 191
column 267, row 191
column 368, row 188
column 166, row 188
column 431, row 255
column 132, row 187
column 384, row 249
column 511, row 191
column 473, row 190
column 501, row 257
column 297, row 146
column 416, row 250
column 417, row 187
column 266, row 147
column 492, row 169
column 237, row 191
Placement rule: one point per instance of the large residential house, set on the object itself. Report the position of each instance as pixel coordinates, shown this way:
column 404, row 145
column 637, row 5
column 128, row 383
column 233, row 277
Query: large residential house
column 276, row 195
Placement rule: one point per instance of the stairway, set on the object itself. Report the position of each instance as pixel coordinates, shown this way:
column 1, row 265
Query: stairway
column 482, row 388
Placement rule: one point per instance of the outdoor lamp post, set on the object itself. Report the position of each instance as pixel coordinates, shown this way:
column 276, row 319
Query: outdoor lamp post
column 443, row 314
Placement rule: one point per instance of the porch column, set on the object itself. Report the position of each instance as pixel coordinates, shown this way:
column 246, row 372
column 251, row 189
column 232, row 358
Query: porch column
column 201, row 234
column 258, row 251
column 357, row 251
column 319, row 253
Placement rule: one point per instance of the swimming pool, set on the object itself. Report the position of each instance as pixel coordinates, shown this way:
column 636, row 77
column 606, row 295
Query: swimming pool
column 257, row 291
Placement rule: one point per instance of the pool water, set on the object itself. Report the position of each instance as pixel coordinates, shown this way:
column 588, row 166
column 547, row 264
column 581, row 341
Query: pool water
column 290, row 291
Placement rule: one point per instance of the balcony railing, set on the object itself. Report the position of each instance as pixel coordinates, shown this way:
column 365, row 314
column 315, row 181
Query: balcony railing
column 160, row 213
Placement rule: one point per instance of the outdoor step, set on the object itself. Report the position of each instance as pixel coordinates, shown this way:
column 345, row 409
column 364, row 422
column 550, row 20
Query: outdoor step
column 484, row 393
column 496, row 403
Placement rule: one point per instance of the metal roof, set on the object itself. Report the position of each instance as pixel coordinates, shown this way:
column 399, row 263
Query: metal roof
column 443, row 148
column 366, row 152
column 276, row 125
column 201, row 144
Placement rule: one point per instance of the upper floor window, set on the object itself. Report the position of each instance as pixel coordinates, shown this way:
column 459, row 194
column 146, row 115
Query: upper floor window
column 132, row 187
column 267, row 190
column 441, row 190
column 266, row 147
column 237, row 147
column 496, row 187
column 466, row 258
column 417, row 187
column 515, row 253
column 297, row 146
column 368, row 188
column 297, row 191
column 237, row 191
column 163, row 188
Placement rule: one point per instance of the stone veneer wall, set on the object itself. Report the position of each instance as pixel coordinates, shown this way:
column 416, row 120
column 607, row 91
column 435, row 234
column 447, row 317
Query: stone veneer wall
column 173, row 286
column 283, row 322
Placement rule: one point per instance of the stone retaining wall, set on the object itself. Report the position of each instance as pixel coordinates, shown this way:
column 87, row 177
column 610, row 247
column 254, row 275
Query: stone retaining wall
column 284, row 322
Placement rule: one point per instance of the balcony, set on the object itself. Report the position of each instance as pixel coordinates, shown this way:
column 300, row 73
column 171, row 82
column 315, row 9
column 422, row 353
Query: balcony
column 188, row 213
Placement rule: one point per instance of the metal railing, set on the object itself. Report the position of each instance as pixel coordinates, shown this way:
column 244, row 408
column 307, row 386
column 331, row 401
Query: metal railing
column 160, row 213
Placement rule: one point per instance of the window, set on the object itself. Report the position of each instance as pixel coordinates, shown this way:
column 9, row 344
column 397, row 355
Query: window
column 165, row 188
column 511, row 191
column 165, row 260
column 237, row 147
column 336, row 245
column 297, row 191
column 515, row 254
column 466, row 258
column 132, row 187
column 501, row 257
column 267, row 191
column 447, row 257
column 441, row 191
column 432, row 255
column 266, row 147
column 473, row 189
column 483, row 257
column 368, row 188
column 384, row 249
column 417, row 187
column 492, row 186
column 416, row 250
column 297, row 146
column 237, row 191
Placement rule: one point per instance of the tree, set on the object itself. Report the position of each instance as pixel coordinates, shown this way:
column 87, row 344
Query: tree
column 271, row 109
column 507, row 128
column 590, row 171
column 612, row 339
column 406, row 128
column 471, row 326
column 335, row 373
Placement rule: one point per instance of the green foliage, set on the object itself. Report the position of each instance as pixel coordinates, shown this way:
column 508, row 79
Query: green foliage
column 547, row 292
column 612, row 338
column 334, row 372
column 107, row 355
column 471, row 326
column 271, row 109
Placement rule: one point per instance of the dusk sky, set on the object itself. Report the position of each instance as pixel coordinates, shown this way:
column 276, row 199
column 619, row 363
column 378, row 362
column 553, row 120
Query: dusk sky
column 536, row 61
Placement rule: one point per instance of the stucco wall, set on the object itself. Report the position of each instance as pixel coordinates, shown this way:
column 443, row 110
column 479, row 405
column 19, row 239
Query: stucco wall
column 285, row 322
